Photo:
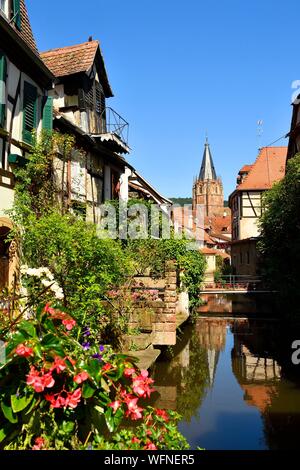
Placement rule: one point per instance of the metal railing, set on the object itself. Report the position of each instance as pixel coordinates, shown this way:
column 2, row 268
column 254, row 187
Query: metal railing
column 115, row 124
column 238, row 281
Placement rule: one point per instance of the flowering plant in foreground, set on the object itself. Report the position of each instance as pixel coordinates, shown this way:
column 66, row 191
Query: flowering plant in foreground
column 57, row 394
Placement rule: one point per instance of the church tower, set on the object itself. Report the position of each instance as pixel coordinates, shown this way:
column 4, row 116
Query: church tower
column 207, row 188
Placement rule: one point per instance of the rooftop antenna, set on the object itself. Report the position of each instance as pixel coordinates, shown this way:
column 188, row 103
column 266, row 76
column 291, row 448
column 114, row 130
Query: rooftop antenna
column 260, row 131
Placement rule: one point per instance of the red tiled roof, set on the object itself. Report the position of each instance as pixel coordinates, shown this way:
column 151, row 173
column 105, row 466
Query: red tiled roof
column 246, row 168
column 217, row 223
column 72, row 59
column 26, row 33
column 268, row 168
column 213, row 251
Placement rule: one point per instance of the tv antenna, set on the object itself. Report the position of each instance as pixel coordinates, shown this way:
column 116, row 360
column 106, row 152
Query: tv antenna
column 260, row 131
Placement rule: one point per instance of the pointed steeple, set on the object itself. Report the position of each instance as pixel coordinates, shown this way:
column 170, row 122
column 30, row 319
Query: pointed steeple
column 207, row 171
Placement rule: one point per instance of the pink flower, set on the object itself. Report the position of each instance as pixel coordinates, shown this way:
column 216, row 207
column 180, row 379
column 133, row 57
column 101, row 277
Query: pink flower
column 150, row 446
column 24, row 351
column 82, row 377
column 115, row 405
column 39, row 443
column 129, row 372
column 141, row 385
column 49, row 309
column 69, row 324
column 39, row 381
column 135, row 440
column 48, row 380
column 59, row 365
column 73, row 399
column 134, row 411
column 58, row 402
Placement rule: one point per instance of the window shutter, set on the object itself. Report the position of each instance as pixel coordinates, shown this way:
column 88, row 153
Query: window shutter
column 48, row 114
column 17, row 13
column 29, row 111
column 3, row 73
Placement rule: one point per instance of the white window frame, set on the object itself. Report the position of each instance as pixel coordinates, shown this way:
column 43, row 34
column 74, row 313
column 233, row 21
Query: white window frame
column 4, row 7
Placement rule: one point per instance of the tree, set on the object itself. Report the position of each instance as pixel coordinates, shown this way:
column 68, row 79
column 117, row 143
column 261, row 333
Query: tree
column 280, row 235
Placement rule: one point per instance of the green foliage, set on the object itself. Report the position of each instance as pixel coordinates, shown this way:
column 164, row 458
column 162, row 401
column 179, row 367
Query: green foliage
column 280, row 235
column 84, row 265
column 151, row 254
column 56, row 395
column 182, row 201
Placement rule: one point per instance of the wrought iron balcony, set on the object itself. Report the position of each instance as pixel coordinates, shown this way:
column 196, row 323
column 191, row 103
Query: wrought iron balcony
column 114, row 130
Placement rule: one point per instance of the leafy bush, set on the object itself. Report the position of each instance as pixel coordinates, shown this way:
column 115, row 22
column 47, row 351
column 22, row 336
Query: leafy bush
column 55, row 394
column 280, row 236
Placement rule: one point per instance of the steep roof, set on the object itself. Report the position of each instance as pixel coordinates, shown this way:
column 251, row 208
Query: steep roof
column 268, row 168
column 26, row 30
column 70, row 60
column 246, row 168
column 25, row 33
column 207, row 171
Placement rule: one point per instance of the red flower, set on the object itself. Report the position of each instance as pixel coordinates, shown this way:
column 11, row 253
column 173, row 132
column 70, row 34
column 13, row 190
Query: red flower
column 141, row 385
column 129, row 372
column 134, row 412
column 115, row 405
column 73, row 399
column 39, row 381
column 150, row 446
column 135, row 440
column 107, row 367
column 163, row 414
column 49, row 309
column 59, row 365
column 24, row 351
column 39, row 443
column 69, row 323
column 58, row 402
column 82, row 377
column 48, row 380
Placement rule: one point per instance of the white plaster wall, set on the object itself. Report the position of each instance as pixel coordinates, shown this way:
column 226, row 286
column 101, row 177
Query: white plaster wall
column 6, row 200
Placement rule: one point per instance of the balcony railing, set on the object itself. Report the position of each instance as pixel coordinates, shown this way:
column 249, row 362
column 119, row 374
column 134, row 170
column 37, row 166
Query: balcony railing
column 115, row 124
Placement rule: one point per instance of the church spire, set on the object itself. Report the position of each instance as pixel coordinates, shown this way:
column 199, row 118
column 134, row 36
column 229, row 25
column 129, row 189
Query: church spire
column 207, row 171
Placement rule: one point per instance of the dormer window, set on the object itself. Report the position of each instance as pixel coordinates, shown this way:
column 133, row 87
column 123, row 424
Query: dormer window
column 4, row 7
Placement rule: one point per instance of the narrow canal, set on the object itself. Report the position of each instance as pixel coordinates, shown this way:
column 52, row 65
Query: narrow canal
column 231, row 378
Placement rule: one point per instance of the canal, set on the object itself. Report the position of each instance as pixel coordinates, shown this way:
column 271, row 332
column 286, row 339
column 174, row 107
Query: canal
column 231, row 378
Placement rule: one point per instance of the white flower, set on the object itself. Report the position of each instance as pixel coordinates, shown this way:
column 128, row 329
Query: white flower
column 46, row 283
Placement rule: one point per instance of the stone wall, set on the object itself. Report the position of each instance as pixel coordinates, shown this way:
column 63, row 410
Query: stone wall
column 158, row 318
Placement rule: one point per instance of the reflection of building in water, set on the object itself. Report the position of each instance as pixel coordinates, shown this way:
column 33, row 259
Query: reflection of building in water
column 211, row 333
column 215, row 303
column 258, row 376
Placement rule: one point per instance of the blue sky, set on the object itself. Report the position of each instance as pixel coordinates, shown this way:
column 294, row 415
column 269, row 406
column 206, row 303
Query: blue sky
column 181, row 68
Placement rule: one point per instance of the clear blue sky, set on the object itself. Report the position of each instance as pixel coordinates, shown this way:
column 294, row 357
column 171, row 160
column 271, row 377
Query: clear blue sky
column 179, row 68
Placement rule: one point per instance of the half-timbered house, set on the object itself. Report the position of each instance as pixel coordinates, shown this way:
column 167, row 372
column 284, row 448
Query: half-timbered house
column 24, row 85
column 246, row 203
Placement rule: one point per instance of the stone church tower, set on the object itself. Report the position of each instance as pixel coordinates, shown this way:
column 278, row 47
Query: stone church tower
column 207, row 188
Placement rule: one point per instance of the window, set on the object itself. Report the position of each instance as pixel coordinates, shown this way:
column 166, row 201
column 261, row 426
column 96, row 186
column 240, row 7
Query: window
column 3, row 74
column 16, row 13
column 29, row 111
column 3, row 7
column 94, row 101
column 48, row 114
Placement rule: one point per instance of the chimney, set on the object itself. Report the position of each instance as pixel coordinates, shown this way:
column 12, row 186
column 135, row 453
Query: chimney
column 90, row 38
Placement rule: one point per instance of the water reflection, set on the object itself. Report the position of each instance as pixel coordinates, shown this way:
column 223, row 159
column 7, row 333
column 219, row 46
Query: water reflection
column 232, row 382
